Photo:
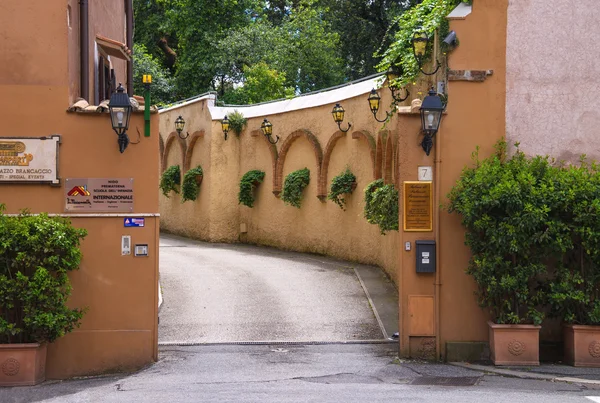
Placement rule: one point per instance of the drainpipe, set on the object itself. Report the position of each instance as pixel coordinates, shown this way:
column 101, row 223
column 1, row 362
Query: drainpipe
column 437, row 198
column 129, row 43
column 84, row 49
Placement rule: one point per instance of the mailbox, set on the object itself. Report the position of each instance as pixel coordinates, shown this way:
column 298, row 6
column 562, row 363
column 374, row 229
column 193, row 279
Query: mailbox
column 425, row 251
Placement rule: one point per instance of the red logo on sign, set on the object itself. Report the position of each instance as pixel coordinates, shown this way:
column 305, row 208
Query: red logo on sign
column 79, row 191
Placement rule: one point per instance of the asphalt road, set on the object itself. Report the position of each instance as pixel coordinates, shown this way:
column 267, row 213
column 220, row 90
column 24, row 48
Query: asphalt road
column 215, row 293
column 324, row 373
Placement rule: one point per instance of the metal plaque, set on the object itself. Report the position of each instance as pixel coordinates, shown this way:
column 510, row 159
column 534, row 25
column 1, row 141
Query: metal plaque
column 29, row 160
column 418, row 206
column 108, row 195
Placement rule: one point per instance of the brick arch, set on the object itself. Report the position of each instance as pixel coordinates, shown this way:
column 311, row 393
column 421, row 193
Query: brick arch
column 272, row 150
column 314, row 142
column 322, row 186
column 371, row 143
column 390, row 148
column 168, row 144
column 161, row 147
column 190, row 149
column 380, row 153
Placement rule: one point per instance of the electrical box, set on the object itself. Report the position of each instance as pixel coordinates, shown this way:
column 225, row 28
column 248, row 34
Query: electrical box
column 425, row 256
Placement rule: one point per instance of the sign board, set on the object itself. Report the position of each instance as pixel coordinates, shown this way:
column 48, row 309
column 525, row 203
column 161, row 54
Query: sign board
column 29, row 160
column 418, row 206
column 109, row 195
column 133, row 222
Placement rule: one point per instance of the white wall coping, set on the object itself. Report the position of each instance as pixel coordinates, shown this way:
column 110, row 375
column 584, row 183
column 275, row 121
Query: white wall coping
column 325, row 97
column 460, row 12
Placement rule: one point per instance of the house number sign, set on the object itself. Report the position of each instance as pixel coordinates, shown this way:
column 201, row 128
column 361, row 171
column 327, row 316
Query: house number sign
column 29, row 160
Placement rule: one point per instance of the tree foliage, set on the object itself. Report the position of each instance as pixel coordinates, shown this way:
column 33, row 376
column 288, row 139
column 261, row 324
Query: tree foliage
column 161, row 90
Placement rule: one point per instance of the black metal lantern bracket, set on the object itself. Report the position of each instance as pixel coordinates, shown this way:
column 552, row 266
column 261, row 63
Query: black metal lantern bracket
column 392, row 73
column 374, row 100
column 431, row 110
column 120, row 108
column 267, row 129
column 419, row 44
column 338, row 117
column 225, row 126
column 179, row 125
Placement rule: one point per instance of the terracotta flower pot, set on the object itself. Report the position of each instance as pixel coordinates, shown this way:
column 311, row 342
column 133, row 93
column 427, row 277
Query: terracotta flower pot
column 22, row 364
column 353, row 186
column 515, row 344
column 199, row 179
column 582, row 345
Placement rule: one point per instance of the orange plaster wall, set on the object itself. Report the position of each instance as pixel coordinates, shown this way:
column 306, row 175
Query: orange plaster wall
column 475, row 117
column 119, row 332
column 318, row 226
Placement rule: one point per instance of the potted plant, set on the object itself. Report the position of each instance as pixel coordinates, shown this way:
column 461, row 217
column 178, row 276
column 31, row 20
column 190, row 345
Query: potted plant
column 574, row 292
column 381, row 206
column 294, row 185
column 504, row 207
column 191, row 184
column 170, row 180
column 343, row 184
column 237, row 122
column 248, row 183
column 36, row 254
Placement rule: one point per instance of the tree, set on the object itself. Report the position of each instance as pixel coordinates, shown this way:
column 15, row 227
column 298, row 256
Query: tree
column 161, row 90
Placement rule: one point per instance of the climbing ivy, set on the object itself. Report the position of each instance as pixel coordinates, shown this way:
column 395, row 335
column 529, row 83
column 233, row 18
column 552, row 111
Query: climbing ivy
column 342, row 184
column 381, row 205
column 249, row 181
column 190, row 186
column 170, row 180
column 293, row 186
column 427, row 17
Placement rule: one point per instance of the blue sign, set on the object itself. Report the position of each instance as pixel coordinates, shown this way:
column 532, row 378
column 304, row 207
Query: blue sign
column 133, row 222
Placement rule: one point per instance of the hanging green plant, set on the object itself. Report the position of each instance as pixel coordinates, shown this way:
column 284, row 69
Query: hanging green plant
column 343, row 184
column 170, row 180
column 381, row 205
column 426, row 17
column 237, row 122
column 293, row 186
column 249, row 181
column 191, row 184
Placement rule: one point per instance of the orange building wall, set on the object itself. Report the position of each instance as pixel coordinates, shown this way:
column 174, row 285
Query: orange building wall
column 119, row 332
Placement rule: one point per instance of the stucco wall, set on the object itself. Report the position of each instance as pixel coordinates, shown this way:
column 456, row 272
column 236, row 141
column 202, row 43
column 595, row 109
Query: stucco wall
column 319, row 226
column 119, row 331
column 553, row 78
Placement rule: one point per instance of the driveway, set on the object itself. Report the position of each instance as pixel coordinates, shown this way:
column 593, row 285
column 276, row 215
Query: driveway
column 224, row 293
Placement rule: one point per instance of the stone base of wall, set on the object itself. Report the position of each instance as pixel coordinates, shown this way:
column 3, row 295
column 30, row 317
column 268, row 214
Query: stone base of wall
column 467, row 351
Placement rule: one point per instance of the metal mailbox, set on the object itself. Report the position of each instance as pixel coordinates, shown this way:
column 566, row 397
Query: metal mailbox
column 425, row 251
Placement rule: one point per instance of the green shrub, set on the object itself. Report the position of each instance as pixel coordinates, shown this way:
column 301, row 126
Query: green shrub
column 294, row 185
column 574, row 291
column 381, row 205
column 237, row 122
column 36, row 253
column 342, row 184
column 247, row 184
column 507, row 210
column 170, row 180
column 190, row 186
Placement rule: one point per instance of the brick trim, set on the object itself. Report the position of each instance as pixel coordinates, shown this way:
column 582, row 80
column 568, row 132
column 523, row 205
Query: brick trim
column 278, row 176
column 272, row 151
column 371, row 143
column 172, row 137
column 322, row 186
column 380, row 153
column 389, row 158
column 190, row 149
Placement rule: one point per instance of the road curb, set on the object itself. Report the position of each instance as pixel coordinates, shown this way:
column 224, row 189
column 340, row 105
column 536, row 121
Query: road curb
column 523, row 375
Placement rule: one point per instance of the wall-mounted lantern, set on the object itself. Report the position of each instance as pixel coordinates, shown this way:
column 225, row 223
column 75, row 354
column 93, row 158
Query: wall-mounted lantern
column 374, row 99
column 391, row 74
column 225, row 126
column 419, row 44
column 338, row 117
column 431, row 117
column 179, row 125
column 120, row 112
column 267, row 129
